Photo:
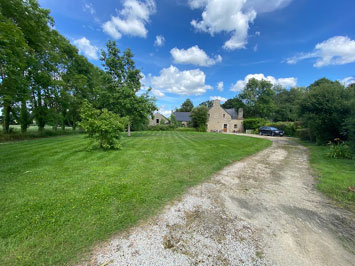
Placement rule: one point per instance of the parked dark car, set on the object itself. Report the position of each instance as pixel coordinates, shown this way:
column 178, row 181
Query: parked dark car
column 270, row 131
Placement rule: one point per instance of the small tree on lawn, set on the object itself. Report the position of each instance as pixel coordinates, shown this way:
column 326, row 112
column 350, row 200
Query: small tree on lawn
column 199, row 117
column 102, row 126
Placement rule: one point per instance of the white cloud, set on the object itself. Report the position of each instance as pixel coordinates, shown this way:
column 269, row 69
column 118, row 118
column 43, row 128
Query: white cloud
column 158, row 93
column 165, row 112
column 194, row 55
column 338, row 50
column 89, row 7
column 222, row 99
column 255, row 49
column 187, row 82
column 220, row 86
column 159, row 40
column 232, row 16
column 85, row 47
column 131, row 20
column 284, row 82
column 348, row 81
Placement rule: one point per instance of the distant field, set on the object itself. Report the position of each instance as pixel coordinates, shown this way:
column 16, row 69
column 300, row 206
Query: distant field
column 57, row 199
column 33, row 133
column 335, row 175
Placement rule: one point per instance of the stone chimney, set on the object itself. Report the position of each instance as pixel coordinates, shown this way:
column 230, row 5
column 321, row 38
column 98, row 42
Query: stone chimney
column 216, row 103
column 240, row 113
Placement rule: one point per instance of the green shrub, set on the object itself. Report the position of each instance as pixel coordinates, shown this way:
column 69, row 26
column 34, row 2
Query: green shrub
column 288, row 127
column 16, row 135
column 161, row 128
column 340, row 150
column 253, row 123
column 202, row 128
column 102, row 126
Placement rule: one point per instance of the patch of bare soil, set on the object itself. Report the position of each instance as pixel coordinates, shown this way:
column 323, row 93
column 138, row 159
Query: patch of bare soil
column 263, row 210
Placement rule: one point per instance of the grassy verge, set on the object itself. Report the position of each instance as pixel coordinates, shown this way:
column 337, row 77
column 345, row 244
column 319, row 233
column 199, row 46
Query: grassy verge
column 335, row 175
column 33, row 133
column 57, row 199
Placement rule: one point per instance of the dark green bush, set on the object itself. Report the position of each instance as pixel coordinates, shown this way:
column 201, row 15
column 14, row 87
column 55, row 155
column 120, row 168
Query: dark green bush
column 17, row 135
column 161, row 128
column 253, row 123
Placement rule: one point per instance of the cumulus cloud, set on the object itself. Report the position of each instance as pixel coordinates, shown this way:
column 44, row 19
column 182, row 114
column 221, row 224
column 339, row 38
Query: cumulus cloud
column 348, row 81
column 220, row 86
column 338, row 50
column 159, row 40
column 284, row 82
column 131, row 20
column 222, row 99
column 157, row 93
column 164, row 111
column 195, row 56
column 86, row 48
column 187, row 82
column 232, row 16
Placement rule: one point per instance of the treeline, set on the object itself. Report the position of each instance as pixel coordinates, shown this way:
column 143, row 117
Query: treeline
column 44, row 79
column 325, row 109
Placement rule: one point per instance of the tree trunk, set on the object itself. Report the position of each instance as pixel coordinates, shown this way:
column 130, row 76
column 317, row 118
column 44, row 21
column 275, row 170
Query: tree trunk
column 25, row 117
column 7, row 110
column 129, row 130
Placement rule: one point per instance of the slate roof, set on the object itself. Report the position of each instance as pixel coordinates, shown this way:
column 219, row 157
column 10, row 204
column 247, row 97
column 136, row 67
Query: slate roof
column 232, row 113
column 182, row 116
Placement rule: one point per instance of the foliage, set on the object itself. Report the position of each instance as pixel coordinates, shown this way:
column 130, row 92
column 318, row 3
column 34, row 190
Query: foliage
column 54, row 192
column 258, row 99
column 123, row 84
column 304, row 134
column 288, row 127
column 235, row 103
column 199, row 118
column 102, row 126
column 173, row 121
column 339, row 150
column 324, row 109
column 207, row 103
column 186, row 106
column 253, row 123
column 161, row 128
column 350, row 120
column 287, row 103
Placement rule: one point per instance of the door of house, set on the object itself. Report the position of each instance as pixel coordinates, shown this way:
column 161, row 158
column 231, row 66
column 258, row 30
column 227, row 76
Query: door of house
column 225, row 127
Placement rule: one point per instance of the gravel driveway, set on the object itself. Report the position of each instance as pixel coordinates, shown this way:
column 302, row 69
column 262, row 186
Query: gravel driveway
column 263, row 210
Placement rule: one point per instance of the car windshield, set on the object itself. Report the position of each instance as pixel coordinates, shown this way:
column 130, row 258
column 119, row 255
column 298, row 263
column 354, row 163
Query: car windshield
column 273, row 128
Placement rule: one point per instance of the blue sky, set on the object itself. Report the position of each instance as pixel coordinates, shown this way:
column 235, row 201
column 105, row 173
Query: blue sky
column 203, row 49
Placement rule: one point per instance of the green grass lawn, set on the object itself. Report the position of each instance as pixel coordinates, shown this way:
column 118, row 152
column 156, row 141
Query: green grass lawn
column 335, row 175
column 57, row 199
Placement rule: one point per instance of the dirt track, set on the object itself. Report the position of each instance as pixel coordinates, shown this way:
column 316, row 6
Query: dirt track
column 263, row 210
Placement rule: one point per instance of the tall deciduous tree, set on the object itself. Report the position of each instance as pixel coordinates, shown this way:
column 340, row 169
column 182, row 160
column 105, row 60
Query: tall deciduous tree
column 186, row 106
column 258, row 98
column 122, row 86
column 199, row 117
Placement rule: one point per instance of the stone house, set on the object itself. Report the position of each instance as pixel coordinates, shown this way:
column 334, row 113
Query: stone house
column 158, row 119
column 219, row 119
column 224, row 120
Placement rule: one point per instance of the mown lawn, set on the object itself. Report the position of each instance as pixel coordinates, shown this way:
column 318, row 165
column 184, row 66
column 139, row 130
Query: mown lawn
column 57, row 199
column 335, row 175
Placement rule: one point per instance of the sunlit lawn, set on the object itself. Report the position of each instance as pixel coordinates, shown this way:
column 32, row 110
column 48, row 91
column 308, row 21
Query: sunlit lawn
column 57, row 199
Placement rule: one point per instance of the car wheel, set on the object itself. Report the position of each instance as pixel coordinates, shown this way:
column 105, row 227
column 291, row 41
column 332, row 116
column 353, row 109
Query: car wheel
column 272, row 134
column 260, row 133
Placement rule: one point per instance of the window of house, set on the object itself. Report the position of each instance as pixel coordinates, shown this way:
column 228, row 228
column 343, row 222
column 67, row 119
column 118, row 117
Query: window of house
column 157, row 121
column 235, row 126
column 224, row 115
